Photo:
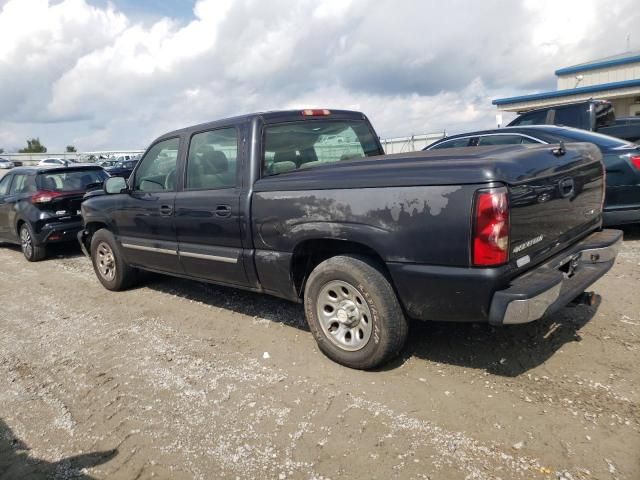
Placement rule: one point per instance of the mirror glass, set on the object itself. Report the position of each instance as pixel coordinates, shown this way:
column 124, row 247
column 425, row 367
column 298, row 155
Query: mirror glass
column 115, row 185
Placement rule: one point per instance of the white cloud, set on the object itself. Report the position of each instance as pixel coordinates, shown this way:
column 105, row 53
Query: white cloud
column 71, row 72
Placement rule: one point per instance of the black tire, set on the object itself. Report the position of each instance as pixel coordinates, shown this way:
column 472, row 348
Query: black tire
column 30, row 250
column 367, row 344
column 108, row 263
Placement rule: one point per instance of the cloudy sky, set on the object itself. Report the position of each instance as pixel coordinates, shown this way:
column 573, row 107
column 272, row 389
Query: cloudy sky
column 114, row 74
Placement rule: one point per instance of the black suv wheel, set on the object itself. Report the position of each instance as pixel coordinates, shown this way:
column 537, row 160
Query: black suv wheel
column 31, row 251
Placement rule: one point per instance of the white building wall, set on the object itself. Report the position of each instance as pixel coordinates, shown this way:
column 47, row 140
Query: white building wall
column 618, row 73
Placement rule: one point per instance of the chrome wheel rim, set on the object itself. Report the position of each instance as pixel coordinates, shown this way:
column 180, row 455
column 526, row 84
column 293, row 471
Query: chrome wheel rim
column 26, row 242
column 106, row 261
column 344, row 315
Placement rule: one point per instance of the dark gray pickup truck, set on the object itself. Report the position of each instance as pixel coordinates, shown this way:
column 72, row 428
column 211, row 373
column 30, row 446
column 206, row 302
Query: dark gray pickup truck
column 304, row 205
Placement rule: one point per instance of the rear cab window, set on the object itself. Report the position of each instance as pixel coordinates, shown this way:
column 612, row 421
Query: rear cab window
column 311, row 143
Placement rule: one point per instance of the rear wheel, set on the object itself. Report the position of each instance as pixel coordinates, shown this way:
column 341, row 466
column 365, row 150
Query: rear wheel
column 353, row 312
column 111, row 269
column 31, row 251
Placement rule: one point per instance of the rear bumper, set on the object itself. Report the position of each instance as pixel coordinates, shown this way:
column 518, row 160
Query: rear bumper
column 621, row 217
column 57, row 232
column 458, row 294
column 552, row 285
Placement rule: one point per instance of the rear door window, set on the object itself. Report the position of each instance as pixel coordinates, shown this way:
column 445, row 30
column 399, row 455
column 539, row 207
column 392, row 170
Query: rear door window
column 4, row 184
column 213, row 160
column 572, row 116
column 455, row 143
column 23, row 184
column 533, row 118
column 500, row 140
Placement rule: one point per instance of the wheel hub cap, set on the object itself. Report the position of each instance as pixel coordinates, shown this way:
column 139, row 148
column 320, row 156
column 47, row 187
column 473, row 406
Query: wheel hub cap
column 348, row 314
column 344, row 315
column 106, row 262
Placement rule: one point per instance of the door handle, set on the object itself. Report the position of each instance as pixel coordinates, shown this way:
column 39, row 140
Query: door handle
column 223, row 210
column 166, row 210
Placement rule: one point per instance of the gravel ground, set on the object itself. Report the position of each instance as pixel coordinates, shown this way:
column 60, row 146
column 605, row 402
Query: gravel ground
column 177, row 379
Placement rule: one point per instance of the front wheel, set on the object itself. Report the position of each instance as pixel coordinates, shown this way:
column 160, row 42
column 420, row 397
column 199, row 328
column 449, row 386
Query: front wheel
column 111, row 269
column 353, row 312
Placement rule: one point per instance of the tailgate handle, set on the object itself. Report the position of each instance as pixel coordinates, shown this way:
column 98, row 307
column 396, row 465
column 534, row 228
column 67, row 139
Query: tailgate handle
column 567, row 187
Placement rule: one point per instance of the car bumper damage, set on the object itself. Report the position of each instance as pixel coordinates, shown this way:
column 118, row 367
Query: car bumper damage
column 552, row 285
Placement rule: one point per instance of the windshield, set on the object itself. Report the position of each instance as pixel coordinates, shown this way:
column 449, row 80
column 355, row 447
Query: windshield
column 603, row 141
column 311, row 143
column 70, row 180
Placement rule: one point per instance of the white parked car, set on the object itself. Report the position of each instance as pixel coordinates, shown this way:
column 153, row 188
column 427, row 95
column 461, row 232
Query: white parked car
column 55, row 161
column 6, row 164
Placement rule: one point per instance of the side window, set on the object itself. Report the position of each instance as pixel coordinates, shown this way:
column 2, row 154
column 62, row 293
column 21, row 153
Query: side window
column 572, row 116
column 4, row 184
column 213, row 160
column 500, row 140
column 529, row 141
column 455, row 143
column 23, row 184
column 157, row 170
column 533, row 118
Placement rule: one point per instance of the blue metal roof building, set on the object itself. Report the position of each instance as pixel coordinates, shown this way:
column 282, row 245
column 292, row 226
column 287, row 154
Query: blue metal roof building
column 615, row 78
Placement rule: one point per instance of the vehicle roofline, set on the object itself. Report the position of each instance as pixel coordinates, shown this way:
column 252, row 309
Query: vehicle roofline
column 265, row 115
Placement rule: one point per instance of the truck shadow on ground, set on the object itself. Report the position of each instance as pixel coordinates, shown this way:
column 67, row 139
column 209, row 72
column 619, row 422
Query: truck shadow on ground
column 506, row 351
column 16, row 461
column 631, row 232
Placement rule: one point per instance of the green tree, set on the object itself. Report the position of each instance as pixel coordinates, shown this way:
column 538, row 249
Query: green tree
column 34, row 146
column 1, row 150
column 71, row 149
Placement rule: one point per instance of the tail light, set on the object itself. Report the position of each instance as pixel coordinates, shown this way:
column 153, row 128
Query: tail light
column 491, row 228
column 635, row 161
column 316, row 112
column 44, row 196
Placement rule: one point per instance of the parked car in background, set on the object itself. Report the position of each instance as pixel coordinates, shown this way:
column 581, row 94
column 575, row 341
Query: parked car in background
column 122, row 169
column 55, row 162
column 594, row 115
column 105, row 163
column 304, row 205
column 41, row 205
column 621, row 159
column 6, row 164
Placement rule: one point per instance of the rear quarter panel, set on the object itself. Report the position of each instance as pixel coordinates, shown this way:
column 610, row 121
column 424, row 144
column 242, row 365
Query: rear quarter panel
column 426, row 224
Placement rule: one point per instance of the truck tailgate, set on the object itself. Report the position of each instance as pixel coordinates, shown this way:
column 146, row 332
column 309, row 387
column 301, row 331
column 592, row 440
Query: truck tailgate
column 557, row 205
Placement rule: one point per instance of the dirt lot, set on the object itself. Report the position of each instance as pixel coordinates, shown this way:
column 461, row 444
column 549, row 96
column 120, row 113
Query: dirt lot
column 171, row 380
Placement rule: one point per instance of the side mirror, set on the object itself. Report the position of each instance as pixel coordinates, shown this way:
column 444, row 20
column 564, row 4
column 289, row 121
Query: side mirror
column 115, row 185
